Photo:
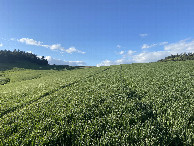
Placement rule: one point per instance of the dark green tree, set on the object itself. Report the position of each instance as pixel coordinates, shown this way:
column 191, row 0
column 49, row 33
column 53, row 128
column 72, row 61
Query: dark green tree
column 178, row 57
column 7, row 56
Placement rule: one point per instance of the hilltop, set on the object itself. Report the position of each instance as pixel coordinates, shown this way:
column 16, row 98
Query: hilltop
column 178, row 57
column 20, row 59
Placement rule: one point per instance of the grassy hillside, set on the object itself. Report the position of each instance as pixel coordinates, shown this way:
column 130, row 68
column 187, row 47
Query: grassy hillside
column 136, row 104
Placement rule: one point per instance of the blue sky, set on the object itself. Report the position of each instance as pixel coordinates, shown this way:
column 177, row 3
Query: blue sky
column 98, row 32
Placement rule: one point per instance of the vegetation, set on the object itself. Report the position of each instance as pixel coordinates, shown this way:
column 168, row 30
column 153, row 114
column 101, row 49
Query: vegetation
column 136, row 104
column 7, row 56
column 19, row 59
column 179, row 57
column 27, row 65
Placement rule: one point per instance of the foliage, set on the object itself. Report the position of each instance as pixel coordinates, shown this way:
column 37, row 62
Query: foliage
column 178, row 57
column 7, row 56
column 18, row 60
column 137, row 104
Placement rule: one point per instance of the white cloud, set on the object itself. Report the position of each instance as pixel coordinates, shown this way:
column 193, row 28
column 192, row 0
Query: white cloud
column 163, row 43
column 145, row 46
column 29, row 52
column 1, row 45
column 73, row 49
column 145, row 57
column 123, row 60
column 122, row 52
column 130, row 52
column 174, row 48
column 105, row 63
column 55, row 47
column 52, row 47
column 143, row 35
column 117, row 62
column 30, row 41
column 52, row 61
column 180, row 47
column 70, row 50
column 127, row 53
column 46, row 46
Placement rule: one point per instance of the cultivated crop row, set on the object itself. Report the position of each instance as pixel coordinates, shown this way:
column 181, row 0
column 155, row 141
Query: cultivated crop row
column 18, row 94
column 137, row 104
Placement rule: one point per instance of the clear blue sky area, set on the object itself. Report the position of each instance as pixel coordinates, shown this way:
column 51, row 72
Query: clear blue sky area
column 98, row 32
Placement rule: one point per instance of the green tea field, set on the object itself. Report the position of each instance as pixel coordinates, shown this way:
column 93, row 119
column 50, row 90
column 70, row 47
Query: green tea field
column 130, row 104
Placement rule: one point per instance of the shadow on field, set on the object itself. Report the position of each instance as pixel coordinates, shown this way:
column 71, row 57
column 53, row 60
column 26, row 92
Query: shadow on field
column 19, row 66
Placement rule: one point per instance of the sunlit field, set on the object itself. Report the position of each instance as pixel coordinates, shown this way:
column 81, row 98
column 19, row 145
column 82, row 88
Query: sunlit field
column 135, row 104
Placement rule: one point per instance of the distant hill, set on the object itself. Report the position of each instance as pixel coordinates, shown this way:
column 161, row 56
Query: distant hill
column 178, row 57
column 7, row 56
column 19, row 59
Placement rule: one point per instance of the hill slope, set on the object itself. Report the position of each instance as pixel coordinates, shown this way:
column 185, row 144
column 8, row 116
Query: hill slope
column 136, row 104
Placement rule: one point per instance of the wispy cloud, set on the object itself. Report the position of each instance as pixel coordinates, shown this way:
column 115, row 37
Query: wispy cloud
column 145, row 57
column 73, row 49
column 12, row 39
column 143, row 34
column 1, row 45
column 30, row 41
column 146, row 46
column 180, row 47
column 124, row 60
column 52, row 61
column 57, row 47
column 130, row 52
column 122, row 52
column 163, row 43
column 183, row 46
column 119, row 46
column 117, row 62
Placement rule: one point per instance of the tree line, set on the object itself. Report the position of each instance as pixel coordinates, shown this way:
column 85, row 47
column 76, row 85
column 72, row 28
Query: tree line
column 178, row 57
column 7, row 56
